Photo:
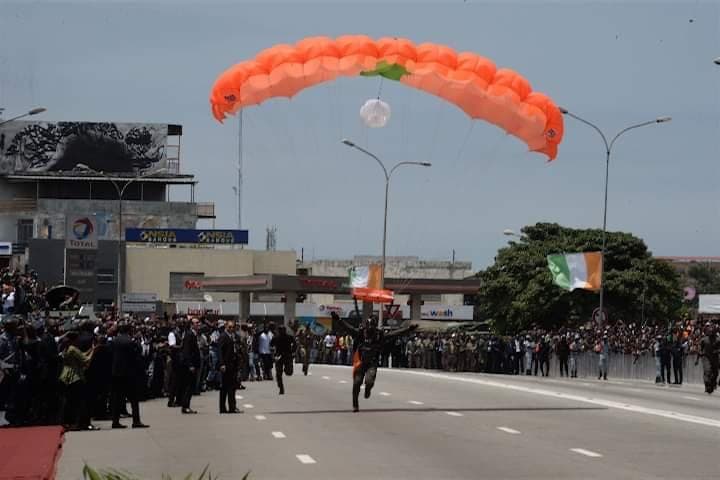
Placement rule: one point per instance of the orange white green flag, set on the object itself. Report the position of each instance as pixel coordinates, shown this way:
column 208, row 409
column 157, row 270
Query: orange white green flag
column 576, row 270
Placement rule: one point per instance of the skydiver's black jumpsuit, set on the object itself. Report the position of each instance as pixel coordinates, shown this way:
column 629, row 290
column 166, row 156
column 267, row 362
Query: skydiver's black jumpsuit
column 368, row 343
column 284, row 345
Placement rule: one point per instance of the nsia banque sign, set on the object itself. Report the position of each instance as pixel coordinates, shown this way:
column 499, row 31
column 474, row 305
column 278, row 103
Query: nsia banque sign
column 183, row 235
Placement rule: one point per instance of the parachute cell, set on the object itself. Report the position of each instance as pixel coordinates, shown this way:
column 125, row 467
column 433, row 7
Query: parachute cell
column 471, row 82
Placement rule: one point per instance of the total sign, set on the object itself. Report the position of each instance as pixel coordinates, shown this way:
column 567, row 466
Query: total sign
column 81, row 232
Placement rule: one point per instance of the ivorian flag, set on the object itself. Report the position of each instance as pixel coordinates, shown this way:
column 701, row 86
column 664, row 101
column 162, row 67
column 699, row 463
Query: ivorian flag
column 576, row 270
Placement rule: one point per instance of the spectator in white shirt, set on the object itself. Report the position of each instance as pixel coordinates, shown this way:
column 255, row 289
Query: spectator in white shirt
column 265, row 353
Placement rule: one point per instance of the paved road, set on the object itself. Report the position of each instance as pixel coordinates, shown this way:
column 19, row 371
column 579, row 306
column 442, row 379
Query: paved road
column 424, row 425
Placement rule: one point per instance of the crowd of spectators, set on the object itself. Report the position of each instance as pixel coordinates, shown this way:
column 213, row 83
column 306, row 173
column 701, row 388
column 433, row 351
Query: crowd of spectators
column 69, row 371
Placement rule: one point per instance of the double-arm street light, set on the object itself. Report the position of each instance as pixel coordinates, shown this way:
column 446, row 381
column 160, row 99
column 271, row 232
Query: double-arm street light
column 29, row 113
column 388, row 175
column 120, row 189
column 608, row 152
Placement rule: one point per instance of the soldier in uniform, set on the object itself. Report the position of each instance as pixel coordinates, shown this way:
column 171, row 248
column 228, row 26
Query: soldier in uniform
column 304, row 343
column 369, row 341
column 284, row 350
column 709, row 350
column 410, row 352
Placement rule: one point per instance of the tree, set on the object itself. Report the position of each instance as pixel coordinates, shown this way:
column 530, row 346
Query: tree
column 517, row 292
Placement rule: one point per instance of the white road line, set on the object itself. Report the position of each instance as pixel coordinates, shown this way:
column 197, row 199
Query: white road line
column 708, row 422
column 385, row 394
column 585, row 384
column 325, row 377
column 260, row 417
column 278, row 435
column 511, row 431
column 342, row 381
column 688, row 397
column 305, row 459
column 454, row 414
column 239, row 397
column 587, row 453
column 415, row 402
column 249, row 405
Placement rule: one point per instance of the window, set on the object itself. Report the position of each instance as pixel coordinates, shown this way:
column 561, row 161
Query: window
column 105, row 276
column 178, row 287
column 25, row 230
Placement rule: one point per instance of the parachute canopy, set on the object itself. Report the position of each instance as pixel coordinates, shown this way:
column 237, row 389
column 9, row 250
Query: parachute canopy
column 473, row 83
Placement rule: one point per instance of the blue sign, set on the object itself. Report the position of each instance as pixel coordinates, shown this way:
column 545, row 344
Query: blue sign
column 184, row 235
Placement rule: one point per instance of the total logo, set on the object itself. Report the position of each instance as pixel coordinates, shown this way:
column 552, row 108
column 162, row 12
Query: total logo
column 82, row 228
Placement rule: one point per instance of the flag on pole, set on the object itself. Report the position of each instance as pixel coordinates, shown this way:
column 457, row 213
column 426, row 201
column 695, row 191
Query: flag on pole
column 576, row 270
column 365, row 284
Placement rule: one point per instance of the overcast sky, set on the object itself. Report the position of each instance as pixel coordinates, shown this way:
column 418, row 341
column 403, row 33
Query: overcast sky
column 615, row 63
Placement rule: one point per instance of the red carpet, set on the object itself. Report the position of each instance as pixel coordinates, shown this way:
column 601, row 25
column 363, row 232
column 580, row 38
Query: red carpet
column 29, row 453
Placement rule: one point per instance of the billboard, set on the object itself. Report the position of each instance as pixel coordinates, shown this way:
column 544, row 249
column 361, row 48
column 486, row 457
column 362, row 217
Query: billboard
column 185, row 235
column 709, row 304
column 81, row 232
column 41, row 147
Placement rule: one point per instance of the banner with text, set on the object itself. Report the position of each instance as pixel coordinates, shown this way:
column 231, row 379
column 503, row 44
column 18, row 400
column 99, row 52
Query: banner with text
column 181, row 235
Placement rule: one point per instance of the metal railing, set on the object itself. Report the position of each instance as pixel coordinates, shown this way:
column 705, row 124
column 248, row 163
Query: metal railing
column 623, row 366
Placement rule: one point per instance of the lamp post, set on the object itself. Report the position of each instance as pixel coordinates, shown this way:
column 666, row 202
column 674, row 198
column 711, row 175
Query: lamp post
column 608, row 152
column 510, row 233
column 717, row 61
column 29, row 113
column 120, row 192
column 388, row 175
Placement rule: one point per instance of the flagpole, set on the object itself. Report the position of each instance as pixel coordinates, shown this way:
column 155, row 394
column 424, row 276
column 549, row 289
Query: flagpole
column 608, row 153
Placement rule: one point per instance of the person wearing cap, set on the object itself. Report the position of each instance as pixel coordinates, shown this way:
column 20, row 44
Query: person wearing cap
column 709, row 352
column 603, row 357
column 575, row 348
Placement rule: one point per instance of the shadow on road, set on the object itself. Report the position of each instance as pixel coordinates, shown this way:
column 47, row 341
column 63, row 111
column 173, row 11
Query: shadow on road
column 433, row 410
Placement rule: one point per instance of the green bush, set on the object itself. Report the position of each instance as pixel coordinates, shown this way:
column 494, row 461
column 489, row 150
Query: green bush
column 90, row 473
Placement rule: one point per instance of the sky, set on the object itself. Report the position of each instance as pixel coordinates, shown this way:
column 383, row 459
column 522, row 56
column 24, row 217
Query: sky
column 614, row 63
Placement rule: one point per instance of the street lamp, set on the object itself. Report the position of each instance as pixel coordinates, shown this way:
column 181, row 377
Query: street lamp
column 608, row 152
column 717, row 61
column 120, row 191
column 29, row 113
column 510, row 233
column 388, row 175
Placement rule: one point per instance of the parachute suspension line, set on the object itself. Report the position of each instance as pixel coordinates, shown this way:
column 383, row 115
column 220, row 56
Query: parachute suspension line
column 240, row 169
column 464, row 142
column 380, row 88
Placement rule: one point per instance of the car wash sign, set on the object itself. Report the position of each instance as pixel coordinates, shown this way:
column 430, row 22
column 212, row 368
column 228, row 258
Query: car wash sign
column 185, row 235
column 81, row 232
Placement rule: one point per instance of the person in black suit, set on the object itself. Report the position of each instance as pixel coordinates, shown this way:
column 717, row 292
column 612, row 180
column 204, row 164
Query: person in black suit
column 125, row 368
column 228, row 369
column 190, row 363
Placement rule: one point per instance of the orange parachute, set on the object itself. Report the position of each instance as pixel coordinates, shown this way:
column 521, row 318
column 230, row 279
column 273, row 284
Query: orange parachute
column 497, row 95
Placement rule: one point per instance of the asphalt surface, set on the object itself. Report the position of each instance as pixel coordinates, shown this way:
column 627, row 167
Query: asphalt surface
column 422, row 424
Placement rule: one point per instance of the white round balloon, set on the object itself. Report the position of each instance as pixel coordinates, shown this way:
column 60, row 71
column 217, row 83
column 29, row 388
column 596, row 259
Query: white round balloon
column 375, row 113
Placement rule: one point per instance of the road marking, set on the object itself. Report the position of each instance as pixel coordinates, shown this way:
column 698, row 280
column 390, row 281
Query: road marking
column 325, row 377
column 691, row 398
column 511, row 431
column 415, row 402
column 249, row 405
column 342, row 381
column 709, row 422
column 260, row 417
column 278, row 435
column 585, row 383
column 587, row 453
column 239, row 397
column 385, row 394
column 454, row 414
column 305, row 459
